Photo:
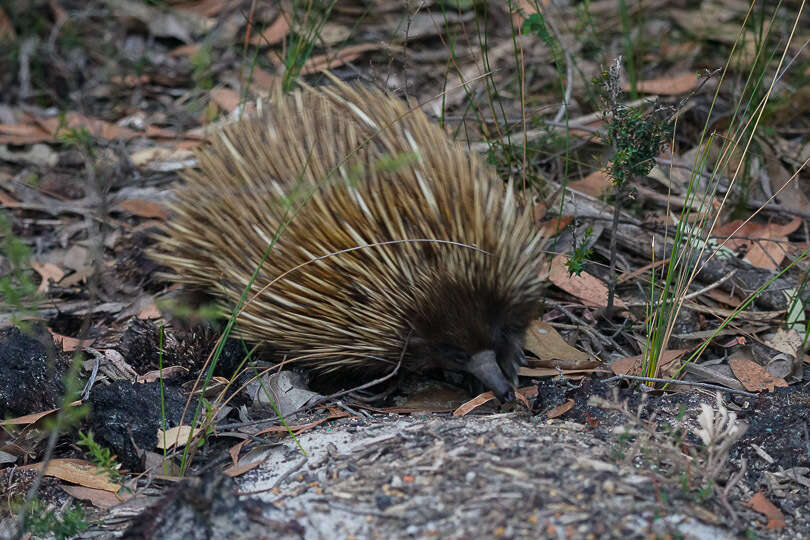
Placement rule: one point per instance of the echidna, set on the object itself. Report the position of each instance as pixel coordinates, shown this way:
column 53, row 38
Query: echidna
column 392, row 238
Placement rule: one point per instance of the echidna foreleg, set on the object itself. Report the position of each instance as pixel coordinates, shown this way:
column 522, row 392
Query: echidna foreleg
column 484, row 366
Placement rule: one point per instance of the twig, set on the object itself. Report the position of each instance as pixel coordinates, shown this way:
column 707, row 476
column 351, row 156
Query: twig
column 684, row 383
column 286, row 474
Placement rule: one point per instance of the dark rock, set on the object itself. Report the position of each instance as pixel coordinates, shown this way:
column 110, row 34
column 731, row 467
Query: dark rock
column 123, row 412
column 31, row 373
column 208, row 508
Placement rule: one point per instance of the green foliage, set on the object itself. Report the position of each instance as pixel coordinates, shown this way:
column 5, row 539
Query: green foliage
column 637, row 137
column 79, row 138
column 16, row 286
column 40, row 522
column 309, row 17
column 100, row 455
column 579, row 254
column 201, row 62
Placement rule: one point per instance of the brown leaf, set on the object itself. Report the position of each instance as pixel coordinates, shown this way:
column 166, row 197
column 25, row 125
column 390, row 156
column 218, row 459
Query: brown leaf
column 761, row 253
column 631, row 365
column 754, row 377
column 77, row 471
column 543, row 341
column 48, row 271
column 6, row 28
column 561, row 409
column 586, row 287
column 263, row 80
column 149, row 312
column 227, row 99
column 594, row 184
column 97, row 497
column 186, row 50
column 758, row 503
column 206, row 8
column 22, row 134
column 667, row 86
column 477, row 401
column 97, row 128
column 168, row 371
column 70, row 344
column 144, row 209
column 272, row 34
column 341, row 57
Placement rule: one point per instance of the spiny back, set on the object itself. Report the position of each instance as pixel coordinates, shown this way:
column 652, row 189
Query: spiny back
column 333, row 169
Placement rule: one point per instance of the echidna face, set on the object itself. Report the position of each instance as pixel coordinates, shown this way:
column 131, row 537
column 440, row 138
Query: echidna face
column 475, row 333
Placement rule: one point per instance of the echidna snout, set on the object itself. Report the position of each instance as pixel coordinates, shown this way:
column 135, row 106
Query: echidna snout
column 485, row 367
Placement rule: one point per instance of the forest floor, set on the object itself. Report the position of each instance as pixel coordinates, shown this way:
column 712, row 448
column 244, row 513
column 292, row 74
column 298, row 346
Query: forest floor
column 101, row 107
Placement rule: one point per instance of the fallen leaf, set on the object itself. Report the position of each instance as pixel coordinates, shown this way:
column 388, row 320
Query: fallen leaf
column 273, row 34
column 48, row 271
column 595, row 184
column 477, row 401
column 206, row 8
column 6, row 28
column 23, row 134
column 176, row 436
column 758, row 503
column 77, row 471
column 70, row 344
column 667, row 86
column 586, row 287
column 156, row 374
column 755, row 237
column 551, row 372
column 97, row 128
column 754, row 377
column 225, row 98
column 341, row 57
column 144, row 209
column 543, row 341
column 786, row 341
column 186, row 50
column 99, row 498
column 561, row 409
column 631, row 365
column 149, row 312
column 262, row 79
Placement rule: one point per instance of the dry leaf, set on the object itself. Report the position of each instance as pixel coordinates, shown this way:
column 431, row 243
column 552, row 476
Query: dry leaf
column 341, row 57
column 227, row 99
column 586, row 287
column 70, row 344
column 272, row 34
column 594, row 184
column 22, row 134
column 631, row 365
column 551, row 372
column 758, row 503
column 667, row 86
column 6, row 28
column 144, row 209
column 149, row 312
column 48, row 271
column 176, row 436
column 77, row 471
column 167, row 372
column 561, row 409
column 262, row 79
column 96, row 128
column 754, row 377
column 97, row 497
column 477, row 401
column 186, row 50
column 761, row 253
column 786, row 341
column 543, row 341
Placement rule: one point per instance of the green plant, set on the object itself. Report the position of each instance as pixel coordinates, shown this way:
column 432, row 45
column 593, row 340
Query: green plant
column 309, row 18
column 101, row 456
column 41, row 522
column 636, row 136
column 16, row 286
column 579, row 254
